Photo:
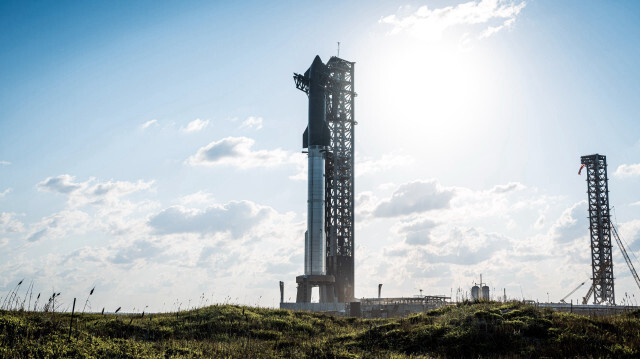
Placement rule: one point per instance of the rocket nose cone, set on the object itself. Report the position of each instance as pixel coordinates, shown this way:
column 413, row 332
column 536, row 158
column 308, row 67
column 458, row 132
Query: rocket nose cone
column 317, row 65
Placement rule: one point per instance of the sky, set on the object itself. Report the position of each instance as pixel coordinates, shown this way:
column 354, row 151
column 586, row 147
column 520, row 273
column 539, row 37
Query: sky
column 152, row 149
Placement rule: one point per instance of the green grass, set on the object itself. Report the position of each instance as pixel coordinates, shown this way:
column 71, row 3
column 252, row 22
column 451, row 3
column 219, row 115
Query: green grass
column 465, row 330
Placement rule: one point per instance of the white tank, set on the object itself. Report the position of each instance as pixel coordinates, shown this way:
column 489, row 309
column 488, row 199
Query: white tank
column 475, row 292
column 485, row 292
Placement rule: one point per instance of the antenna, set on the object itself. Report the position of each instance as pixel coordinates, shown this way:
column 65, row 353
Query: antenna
column 338, row 48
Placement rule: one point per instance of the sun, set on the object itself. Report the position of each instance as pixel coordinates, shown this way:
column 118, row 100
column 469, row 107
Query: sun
column 436, row 92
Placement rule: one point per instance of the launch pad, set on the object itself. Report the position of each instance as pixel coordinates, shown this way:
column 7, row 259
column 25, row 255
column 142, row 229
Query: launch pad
column 329, row 239
column 328, row 138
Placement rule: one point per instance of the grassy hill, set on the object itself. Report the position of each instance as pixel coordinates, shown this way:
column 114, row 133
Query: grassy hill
column 465, row 330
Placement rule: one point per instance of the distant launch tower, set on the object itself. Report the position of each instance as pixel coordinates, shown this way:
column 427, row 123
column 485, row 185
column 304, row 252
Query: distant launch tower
column 329, row 239
column 599, row 228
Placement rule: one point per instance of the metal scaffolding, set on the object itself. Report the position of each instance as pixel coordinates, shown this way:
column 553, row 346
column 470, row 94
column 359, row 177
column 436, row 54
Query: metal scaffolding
column 339, row 193
column 599, row 228
column 336, row 79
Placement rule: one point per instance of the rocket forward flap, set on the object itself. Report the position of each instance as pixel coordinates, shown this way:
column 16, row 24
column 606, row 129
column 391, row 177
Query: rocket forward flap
column 305, row 138
column 326, row 136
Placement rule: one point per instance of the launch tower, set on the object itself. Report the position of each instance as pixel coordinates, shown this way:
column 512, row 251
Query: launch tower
column 599, row 228
column 329, row 138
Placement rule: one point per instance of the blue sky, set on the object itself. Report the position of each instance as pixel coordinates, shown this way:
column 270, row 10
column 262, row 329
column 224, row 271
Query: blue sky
column 153, row 149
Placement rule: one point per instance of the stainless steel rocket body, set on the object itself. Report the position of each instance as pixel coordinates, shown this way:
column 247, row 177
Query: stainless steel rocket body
column 316, row 139
column 315, row 246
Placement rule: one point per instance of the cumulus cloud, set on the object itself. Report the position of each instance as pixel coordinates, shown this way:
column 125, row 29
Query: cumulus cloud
column 511, row 186
column 418, row 232
column 630, row 234
column 9, row 223
column 198, row 198
column 461, row 246
column 573, row 223
column 625, row 170
column 5, row 192
column 195, row 126
column 148, row 124
column 36, row 235
column 252, row 122
column 60, row 225
column 116, row 188
column 301, row 163
column 61, row 184
column 414, row 197
column 431, row 24
column 369, row 166
column 139, row 249
column 237, row 152
column 91, row 191
column 93, row 205
column 234, row 217
column 5, row 163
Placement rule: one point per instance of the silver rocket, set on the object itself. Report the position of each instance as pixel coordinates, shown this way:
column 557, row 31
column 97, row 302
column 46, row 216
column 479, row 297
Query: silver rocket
column 316, row 138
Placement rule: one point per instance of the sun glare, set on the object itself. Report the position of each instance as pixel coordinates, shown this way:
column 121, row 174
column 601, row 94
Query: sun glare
column 436, row 90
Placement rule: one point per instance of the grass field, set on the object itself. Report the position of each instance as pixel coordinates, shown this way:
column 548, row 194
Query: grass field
column 485, row 329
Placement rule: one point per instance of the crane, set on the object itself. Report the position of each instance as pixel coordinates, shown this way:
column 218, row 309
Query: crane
column 593, row 286
column 625, row 255
column 573, row 291
column 626, row 258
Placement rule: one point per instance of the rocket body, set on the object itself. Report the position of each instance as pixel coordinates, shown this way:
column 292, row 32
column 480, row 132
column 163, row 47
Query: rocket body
column 315, row 248
column 316, row 139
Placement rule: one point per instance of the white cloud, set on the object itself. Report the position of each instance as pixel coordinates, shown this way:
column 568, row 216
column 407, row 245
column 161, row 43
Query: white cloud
column 5, row 163
column 625, row 170
column 414, row 197
column 198, row 198
column 5, row 192
column 237, row 152
column 61, row 184
column 195, row 125
column 91, row 191
column 252, row 122
column 60, row 225
column 92, row 205
column 572, row 224
column 148, row 124
column 418, row 232
column 139, row 249
column 511, row 186
column 370, row 166
column 9, row 223
column 234, row 217
column 431, row 24
column 109, row 234
column 301, row 162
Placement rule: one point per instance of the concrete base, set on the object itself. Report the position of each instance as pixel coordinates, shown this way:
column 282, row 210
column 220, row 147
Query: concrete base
column 329, row 308
column 325, row 283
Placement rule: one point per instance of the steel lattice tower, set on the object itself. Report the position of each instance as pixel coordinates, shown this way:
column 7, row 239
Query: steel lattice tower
column 338, row 283
column 599, row 228
column 339, row 193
